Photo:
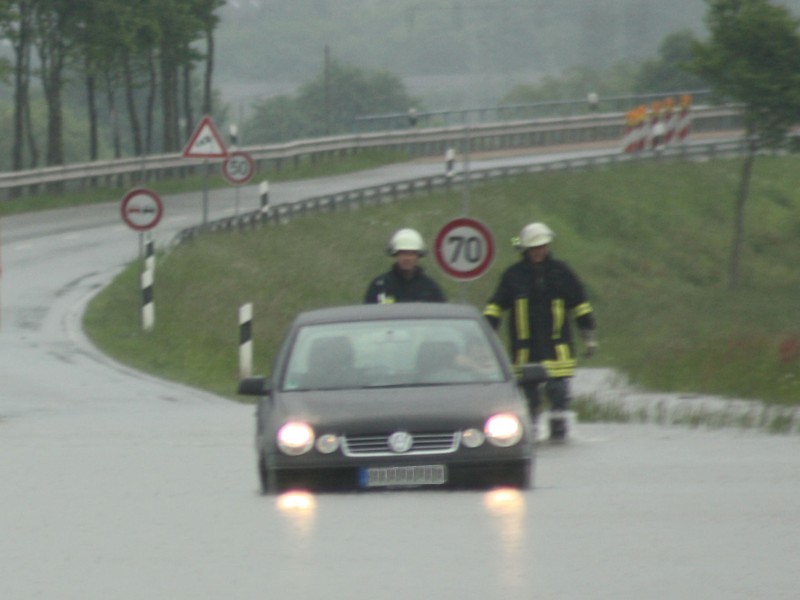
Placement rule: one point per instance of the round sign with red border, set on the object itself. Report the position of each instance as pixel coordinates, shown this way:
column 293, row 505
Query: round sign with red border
column 239, row 167
column 141, row 209
column 464, row 248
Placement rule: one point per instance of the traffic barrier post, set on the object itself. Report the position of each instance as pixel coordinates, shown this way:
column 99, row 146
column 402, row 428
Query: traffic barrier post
column 245, row 340
column 148, row 305
column 263, row 192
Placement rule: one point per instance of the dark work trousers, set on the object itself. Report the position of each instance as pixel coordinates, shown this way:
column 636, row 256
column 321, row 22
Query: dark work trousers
column 557, row 391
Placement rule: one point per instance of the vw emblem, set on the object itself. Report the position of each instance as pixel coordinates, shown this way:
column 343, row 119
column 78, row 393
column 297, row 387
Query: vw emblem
column 400, row 441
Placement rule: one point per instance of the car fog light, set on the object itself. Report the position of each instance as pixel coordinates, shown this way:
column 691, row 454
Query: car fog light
column 472, row 438
column 503, row 430
column 327, row 443
column 295, row 438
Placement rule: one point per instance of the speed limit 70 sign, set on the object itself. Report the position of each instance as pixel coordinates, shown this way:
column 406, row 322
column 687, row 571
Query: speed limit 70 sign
column 464, row 249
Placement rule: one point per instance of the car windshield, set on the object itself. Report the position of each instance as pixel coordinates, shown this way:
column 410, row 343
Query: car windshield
column 404, row 352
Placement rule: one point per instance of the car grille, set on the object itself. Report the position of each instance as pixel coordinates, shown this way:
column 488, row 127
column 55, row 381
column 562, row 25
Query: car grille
column 443, row 442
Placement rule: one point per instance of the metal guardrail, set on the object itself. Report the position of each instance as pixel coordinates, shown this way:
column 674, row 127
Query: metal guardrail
column 533, row 110
column 397, row 190
column 414, row 142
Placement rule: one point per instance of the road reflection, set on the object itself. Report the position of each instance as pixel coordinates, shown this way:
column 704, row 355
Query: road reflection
column 506, row 506
column 299, row 507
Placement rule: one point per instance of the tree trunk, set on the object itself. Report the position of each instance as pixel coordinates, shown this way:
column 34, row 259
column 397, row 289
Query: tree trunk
column 22, row 53
column 150, row 108
column 207, row 83
column 52, row 55
column 55, row 119
column 133, row 115
column 738, row 218
column 168, row 106
column 91, row 102
column 33, row 145
column 188, row 113
column 111, row 101
column 20, row 101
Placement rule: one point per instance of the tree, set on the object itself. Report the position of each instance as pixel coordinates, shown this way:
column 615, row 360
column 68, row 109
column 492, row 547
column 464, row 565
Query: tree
column 139, row 61
column 669, row 72
column 16, row 24
column 572, row 83
column 182, row 22
column 132, row 49
column 329, row 104
column 100, row 50
column 752, row 56
column 206, row 14
column 55, row 25
column 343, row 92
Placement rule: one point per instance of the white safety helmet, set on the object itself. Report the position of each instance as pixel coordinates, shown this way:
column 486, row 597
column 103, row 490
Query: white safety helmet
column 406, row 239
column 534, row 234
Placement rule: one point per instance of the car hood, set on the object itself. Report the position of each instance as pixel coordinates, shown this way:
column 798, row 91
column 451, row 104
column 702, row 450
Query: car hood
column 431, row 406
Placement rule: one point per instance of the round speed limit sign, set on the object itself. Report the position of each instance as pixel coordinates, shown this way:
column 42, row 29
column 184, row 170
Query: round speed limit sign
column 239, row 167
column 464, row 249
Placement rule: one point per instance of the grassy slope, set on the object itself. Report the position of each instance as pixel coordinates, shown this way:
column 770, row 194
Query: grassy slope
column 651, row 242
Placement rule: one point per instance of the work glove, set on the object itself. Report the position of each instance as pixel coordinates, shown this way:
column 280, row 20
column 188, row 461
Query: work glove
column 589, row 343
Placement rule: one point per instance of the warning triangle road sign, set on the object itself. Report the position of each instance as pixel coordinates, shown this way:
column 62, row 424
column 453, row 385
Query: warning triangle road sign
column 206, row 142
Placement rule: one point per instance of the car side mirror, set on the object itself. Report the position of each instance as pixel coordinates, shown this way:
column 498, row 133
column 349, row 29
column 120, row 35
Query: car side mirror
column 533, row 373
column 255, row 386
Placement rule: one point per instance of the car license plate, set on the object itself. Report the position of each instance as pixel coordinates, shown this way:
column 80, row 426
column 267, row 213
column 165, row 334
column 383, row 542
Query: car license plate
column 403, row 476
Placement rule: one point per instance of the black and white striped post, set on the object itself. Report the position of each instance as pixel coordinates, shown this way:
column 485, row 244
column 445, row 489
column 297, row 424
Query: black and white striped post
column 263, row 193
column 149, row 253
column 233, row 131
column 246, row 340
column 449, row 164
column 148, row 306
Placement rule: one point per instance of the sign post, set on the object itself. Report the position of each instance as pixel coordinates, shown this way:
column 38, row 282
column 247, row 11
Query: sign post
column 142, row 210
column 238, row 169
column 206, row 143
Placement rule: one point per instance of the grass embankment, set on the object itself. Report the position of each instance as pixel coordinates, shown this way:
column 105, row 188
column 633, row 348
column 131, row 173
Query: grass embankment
column 650, row 240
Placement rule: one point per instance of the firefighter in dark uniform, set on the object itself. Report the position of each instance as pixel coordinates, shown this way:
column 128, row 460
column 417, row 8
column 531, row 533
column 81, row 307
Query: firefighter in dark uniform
column 406, row 281
column 543, row 295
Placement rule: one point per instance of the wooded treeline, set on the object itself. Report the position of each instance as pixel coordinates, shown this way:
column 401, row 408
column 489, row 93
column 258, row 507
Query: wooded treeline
column 140, row 62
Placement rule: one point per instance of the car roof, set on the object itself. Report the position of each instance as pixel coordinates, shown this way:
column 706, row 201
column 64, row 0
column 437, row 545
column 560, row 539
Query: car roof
column 402, row 310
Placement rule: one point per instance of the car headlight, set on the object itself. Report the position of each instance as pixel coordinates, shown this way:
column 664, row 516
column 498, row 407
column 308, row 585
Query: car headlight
column 503, row 430
column 295, row 438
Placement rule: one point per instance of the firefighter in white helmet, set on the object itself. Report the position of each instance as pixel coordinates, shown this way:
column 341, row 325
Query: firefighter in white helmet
column 543, row 296
column 405, row 281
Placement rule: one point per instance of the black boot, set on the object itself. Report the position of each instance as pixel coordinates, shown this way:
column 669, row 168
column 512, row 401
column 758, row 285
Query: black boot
column 559, row 427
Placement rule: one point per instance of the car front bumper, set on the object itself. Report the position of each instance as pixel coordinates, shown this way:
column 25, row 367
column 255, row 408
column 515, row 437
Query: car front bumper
column 428, row 474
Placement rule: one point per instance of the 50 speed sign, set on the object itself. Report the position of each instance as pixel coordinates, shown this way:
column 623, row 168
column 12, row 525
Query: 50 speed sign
column 464, row 249
column 239, row 167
